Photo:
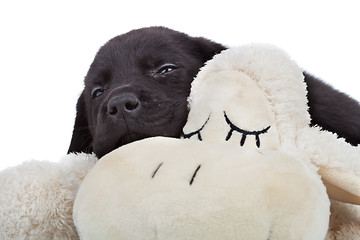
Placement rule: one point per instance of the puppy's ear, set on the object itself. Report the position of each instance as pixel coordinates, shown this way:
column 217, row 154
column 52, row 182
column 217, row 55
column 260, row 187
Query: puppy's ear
column 206, row 49
column 81, row 139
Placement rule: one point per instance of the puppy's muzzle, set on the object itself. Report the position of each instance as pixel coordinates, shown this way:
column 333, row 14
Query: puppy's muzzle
column 123, row 105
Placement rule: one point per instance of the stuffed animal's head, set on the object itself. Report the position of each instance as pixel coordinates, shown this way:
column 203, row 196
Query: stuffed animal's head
column 255, row 96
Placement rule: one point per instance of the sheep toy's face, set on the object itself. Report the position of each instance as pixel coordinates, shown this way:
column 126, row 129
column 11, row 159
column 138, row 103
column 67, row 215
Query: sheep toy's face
column 230, row 107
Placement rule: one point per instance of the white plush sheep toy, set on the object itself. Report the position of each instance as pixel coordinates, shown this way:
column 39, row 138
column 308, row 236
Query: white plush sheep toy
column 258, row 172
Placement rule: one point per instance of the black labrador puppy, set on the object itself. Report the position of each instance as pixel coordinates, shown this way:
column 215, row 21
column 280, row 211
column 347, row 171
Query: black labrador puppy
column 138, row 84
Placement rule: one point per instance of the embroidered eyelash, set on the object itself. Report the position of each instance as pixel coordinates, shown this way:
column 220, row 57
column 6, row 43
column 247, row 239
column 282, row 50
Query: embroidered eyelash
column 243, row 132
column 189, row 135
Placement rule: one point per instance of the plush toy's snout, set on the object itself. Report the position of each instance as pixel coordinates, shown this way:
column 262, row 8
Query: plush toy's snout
column 176, row 189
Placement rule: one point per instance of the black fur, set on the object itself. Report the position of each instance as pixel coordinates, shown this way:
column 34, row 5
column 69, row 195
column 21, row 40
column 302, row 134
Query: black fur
column 137, row 87
column 138, row 84
column 333, row 110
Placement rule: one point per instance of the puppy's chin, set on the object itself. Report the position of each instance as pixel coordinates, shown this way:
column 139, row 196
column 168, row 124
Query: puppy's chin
column 129, row 138
column 102, row 147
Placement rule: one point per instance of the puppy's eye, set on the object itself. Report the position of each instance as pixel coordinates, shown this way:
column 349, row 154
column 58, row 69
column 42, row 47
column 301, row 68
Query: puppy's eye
column 166, row 69
column 97, row 92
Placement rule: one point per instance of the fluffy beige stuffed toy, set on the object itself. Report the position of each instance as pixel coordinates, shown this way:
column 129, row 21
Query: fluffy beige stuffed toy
column 37, row 197
column 255, row 174
column 281, row 103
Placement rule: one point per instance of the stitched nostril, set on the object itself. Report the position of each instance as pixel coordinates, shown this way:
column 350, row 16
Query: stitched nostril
column 194, row 175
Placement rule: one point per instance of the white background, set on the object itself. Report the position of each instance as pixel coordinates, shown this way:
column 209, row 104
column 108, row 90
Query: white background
column 46, row 48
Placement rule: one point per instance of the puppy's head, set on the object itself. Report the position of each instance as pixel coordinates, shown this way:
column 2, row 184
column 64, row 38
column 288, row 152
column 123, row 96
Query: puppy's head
column 137, row 87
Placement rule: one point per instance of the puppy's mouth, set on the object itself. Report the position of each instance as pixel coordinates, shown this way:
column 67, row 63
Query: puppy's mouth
column 113, row 133
column 131, row 137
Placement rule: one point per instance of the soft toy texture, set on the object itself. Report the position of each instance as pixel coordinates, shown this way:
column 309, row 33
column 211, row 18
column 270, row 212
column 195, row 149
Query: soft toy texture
column 36, row 198
column 177, row 189
column 344, row 222
column 283, row 91
column 281, row 83
column 248, row 106
column 258, row 87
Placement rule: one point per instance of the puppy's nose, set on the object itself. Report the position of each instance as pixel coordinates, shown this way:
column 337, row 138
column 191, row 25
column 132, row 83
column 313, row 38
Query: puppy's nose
column 126, row 103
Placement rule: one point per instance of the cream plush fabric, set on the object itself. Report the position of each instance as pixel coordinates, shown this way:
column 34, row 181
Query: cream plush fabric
column 255, row 175
column 259, row 86
column 281, row 84
column 36, row 198
column 171, row 189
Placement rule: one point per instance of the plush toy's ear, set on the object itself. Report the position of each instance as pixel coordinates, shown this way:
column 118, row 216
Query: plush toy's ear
column 338, row 163
column 341, row 186
column 81, row 139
